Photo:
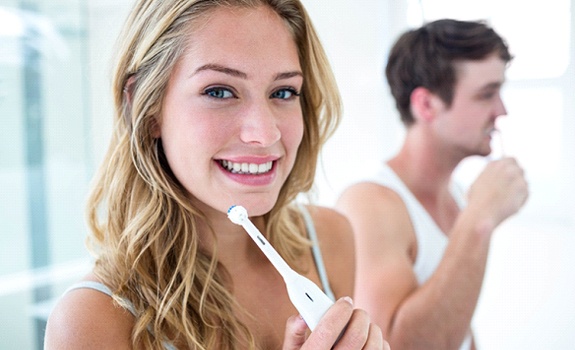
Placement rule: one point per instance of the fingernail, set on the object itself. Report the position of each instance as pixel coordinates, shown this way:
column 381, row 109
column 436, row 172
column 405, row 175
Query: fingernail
column 349, row 300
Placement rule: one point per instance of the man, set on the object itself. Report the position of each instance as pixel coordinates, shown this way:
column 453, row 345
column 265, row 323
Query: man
column 421, row 251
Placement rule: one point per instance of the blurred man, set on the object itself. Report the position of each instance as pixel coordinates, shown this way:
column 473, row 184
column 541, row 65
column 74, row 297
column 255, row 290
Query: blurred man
column 421, row 248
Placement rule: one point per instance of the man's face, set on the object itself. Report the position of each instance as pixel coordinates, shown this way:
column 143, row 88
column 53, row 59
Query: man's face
column 469, row 122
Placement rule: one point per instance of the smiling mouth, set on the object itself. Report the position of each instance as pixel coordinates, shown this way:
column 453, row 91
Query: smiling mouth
column 247, row 168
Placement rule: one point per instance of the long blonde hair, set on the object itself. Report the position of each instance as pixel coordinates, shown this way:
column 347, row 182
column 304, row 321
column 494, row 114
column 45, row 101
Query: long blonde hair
column 144, row 229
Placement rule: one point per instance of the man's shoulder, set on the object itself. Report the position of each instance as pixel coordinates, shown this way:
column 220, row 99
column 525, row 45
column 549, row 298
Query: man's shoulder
column 370, row 194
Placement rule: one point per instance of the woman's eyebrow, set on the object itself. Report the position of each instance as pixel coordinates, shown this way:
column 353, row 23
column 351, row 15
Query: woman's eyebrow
column 221, row 69
column 237, row 73
column 288, row 75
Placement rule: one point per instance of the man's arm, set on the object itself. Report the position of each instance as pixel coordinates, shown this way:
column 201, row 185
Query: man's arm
column 437, row 314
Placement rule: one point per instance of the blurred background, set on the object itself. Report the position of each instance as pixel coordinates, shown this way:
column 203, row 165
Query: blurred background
column 56, row 118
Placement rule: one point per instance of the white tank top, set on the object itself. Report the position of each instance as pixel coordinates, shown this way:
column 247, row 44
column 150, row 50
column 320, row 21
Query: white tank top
column 431, row 241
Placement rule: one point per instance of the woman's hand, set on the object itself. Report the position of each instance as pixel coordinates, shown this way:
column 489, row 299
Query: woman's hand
column 357, row 332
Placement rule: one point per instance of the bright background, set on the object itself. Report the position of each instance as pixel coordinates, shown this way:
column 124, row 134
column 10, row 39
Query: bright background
column 55, row 113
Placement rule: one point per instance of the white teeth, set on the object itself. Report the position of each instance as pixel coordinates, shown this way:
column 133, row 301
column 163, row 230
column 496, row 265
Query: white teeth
column 247, row 168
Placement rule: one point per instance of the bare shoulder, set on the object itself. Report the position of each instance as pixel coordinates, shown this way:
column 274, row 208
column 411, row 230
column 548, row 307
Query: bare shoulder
column 334, row 232
column 376, row 211
column 88, row 319
column 337, row 246
column 331, row 225
column 386, row 247
column 369, row 197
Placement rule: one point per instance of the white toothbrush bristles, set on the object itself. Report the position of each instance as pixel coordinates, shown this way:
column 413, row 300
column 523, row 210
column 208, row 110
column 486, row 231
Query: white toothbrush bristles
column 237, row 214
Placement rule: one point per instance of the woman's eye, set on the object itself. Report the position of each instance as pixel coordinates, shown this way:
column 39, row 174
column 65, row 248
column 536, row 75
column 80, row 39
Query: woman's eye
column 218, row 93
column 285, row 94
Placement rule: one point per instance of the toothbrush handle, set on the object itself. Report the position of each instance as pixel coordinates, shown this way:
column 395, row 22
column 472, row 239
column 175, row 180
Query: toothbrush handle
column 310, row 301
column 273, row 256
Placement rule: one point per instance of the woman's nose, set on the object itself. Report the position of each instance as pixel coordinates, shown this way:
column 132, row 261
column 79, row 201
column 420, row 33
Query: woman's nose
column 259, row 126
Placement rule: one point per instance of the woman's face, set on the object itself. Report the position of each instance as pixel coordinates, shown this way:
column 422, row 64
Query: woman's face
column 232, row 121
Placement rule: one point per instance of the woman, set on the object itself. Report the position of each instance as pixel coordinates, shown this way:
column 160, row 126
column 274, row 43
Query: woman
column 217, row 103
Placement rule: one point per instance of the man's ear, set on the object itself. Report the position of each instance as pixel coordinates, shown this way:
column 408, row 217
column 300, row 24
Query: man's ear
column 423, row 104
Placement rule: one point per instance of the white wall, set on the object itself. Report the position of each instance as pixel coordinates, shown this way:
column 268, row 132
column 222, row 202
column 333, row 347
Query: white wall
column 104, row 23
column 356, row 37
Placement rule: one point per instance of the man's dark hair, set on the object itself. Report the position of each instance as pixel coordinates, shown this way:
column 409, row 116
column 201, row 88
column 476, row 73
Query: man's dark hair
column 426, row 57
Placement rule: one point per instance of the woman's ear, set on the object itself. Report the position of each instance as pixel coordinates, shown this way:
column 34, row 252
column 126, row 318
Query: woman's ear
column 128, row 89
column 156, row 129
column 128, row 92
column 423, row 104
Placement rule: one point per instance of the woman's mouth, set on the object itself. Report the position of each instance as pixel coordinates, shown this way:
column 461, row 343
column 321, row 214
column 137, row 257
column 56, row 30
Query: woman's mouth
column 247, row 168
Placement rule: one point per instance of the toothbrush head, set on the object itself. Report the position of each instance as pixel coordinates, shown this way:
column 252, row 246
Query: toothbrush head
column 237, row 214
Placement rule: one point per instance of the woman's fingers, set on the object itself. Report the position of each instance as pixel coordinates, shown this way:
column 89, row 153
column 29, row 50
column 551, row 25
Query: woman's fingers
column 295, row 334
column 331, row 325
column 375, row 339
column 341, row 327
column 356, row 332
column 360, row 333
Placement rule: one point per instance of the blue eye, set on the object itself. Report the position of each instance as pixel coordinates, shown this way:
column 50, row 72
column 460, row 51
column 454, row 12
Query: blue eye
column 219, row 92
column 285, row 94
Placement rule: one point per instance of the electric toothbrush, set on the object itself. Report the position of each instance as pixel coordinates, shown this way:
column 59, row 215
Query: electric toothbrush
column 310, row 301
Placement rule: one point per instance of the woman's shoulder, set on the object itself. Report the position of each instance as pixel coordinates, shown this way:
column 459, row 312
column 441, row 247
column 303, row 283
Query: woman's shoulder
column 328, row 221
column 86, row 318
column 336, row 241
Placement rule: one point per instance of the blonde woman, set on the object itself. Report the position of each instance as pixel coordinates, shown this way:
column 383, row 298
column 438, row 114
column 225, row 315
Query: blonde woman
column 217, row 103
